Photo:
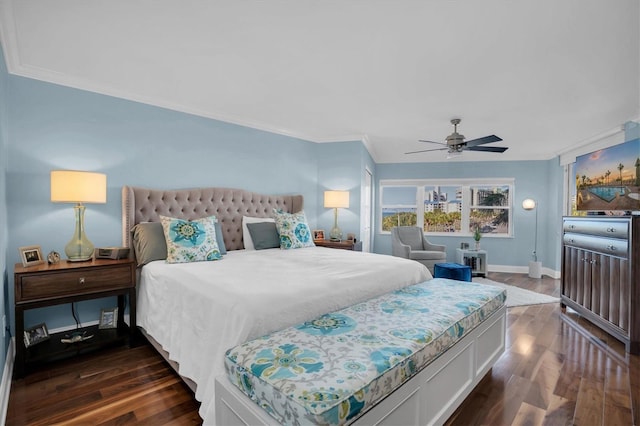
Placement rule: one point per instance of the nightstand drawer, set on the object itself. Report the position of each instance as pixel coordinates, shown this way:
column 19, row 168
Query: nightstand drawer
column 63, row 283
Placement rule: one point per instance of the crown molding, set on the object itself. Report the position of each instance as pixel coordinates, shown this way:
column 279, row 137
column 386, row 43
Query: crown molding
column 602, row 140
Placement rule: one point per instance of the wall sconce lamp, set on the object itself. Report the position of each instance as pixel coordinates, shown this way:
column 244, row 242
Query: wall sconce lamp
column 535, row 267
column 335, row 200
column 69, row 186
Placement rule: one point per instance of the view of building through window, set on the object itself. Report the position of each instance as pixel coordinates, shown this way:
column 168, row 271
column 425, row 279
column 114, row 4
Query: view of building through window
column 447, row 207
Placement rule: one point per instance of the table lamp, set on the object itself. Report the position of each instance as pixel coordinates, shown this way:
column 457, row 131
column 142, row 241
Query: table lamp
column 535, row 267
column 335, row 200
column 70, row 186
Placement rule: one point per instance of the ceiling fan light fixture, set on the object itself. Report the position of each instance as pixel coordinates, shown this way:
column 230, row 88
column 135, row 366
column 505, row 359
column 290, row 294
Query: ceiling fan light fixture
column 455, row 143
column 453, row 154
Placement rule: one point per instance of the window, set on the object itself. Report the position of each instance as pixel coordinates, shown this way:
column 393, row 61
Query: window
column 442, row 208
column 448, row 206
column 398, row 207
column 489, row 209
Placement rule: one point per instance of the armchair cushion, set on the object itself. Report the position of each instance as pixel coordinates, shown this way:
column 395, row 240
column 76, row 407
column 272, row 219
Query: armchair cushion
column 427, row 255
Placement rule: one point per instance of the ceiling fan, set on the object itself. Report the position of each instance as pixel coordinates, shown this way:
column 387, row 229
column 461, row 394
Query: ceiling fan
column 456, row 144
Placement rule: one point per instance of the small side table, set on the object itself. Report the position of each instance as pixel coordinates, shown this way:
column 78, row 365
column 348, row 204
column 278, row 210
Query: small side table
column 344, row 244
column 476, row 259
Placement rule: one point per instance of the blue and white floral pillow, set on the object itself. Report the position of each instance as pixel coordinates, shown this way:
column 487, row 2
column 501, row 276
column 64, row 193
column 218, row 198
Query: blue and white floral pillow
column 190, row 240
column 293, row 229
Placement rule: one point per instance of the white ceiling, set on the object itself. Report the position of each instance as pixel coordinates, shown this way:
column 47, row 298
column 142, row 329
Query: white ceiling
column 545, row 75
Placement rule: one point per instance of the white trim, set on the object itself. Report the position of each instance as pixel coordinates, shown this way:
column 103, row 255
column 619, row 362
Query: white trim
column 551, row 273
column 8, row 36
column 84, row 324
column 11, row 49
column 466, row 203
column 447, row 182
column 5, row 385
column 606, row 139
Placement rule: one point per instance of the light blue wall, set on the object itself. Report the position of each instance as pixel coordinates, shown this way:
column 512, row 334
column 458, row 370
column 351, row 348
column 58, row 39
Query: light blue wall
column 4, row 299
column 55, row 127
column 341, row 170
column 342, row 167
column 540, row 180
column 45, row 127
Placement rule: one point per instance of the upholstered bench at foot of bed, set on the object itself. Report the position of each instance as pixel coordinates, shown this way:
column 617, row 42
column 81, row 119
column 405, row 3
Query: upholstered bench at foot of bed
column 335, row 368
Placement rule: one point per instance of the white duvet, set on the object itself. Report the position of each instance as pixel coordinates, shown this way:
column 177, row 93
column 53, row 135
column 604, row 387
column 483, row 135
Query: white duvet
column 197, row 311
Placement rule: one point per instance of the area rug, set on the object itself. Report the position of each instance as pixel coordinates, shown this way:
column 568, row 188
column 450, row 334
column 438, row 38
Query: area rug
column 517, row 296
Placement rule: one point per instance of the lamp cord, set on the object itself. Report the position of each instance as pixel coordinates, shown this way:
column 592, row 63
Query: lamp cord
column 75, row 315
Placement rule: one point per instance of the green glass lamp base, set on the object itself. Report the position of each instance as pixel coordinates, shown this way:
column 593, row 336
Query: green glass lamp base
column 79, row 249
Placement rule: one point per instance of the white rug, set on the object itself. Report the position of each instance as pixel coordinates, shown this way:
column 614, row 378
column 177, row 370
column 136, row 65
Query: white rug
column 517, row 296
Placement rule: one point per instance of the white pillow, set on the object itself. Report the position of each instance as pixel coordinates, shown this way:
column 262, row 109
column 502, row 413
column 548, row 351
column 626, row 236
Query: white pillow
column 246, row 235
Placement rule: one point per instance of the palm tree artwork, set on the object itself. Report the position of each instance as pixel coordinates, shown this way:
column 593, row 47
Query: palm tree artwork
column 620, row 167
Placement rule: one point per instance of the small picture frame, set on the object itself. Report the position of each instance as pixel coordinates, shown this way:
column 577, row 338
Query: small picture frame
column 31, row 255
column 108, row 318
column 35, row 335
column 318, row 234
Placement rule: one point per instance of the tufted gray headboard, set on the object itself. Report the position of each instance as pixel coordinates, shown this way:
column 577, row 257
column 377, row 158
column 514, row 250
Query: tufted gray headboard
column 227, row 204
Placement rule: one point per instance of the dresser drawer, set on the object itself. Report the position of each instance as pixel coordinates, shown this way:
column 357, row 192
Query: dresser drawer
column 609, row 246
column 72, row 282
column 606, row 228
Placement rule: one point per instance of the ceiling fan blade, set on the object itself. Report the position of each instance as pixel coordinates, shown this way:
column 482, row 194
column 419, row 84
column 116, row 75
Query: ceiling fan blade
column 486, row 139
column 487, row 148
column 439, row 143
column 426, row 150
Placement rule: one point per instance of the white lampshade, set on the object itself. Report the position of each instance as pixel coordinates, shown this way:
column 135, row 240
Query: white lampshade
column 336, row 199
column 70, row 186
column 528, row 204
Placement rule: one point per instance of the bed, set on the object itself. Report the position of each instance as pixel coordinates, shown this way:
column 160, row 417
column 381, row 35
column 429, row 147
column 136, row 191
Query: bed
column 193, row 312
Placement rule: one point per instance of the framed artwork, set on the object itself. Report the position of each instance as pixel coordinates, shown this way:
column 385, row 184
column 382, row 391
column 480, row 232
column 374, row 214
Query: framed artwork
column 318, row 234
column 108, row 318
column 31, row 255
column 35, row 335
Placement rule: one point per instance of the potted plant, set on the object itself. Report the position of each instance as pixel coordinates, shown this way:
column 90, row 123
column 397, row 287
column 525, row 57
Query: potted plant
column 476, row 236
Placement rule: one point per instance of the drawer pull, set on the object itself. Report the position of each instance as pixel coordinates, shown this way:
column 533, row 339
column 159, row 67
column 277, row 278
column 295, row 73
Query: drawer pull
column 611, row 247
column 81, row 280
column 611, row 229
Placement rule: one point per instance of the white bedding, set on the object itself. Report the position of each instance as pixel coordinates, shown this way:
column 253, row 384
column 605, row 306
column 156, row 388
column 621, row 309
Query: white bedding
column 196, row 311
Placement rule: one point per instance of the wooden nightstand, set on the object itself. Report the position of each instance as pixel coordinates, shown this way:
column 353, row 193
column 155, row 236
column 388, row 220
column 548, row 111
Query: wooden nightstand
column 344, row 244
column 66, row 282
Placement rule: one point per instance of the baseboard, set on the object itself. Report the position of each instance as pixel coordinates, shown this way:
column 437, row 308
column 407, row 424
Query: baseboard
column 84, row 324
column 523, row 270
column 5, row 385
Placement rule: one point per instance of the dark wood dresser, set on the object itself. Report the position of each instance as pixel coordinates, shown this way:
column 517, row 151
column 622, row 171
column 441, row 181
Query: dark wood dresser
column 601, row 273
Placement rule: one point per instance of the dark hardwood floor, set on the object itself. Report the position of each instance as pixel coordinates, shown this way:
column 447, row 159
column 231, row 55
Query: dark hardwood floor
column 553, row 372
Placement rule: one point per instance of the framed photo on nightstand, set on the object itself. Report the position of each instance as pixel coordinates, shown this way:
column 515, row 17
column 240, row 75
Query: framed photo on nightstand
column 318, row 234
column 31, row 255
column 108, row 318
column 35, row 335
